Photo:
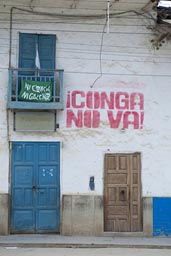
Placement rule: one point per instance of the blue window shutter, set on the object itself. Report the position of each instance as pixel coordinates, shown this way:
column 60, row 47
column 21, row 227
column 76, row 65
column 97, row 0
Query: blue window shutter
column 27, row 50
column 47, row 49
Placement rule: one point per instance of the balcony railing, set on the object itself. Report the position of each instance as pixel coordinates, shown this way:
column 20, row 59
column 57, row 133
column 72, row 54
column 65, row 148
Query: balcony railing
column 17, row 76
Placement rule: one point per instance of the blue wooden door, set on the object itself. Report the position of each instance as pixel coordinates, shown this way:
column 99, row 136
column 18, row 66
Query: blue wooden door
column 35, row 186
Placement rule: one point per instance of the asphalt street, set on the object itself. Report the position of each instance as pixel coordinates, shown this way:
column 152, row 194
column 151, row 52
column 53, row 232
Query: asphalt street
column 14, row 251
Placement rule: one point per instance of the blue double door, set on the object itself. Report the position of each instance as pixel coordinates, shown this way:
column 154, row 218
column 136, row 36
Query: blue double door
column 35, row 187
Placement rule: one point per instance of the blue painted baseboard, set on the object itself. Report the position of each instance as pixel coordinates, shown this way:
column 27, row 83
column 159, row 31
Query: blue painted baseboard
column 162, row 216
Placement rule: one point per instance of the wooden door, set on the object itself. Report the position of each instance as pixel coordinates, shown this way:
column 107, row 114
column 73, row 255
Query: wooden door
column 122, row 193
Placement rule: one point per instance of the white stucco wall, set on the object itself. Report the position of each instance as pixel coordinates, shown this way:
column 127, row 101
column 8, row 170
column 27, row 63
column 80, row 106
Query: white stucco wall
column 129, row 64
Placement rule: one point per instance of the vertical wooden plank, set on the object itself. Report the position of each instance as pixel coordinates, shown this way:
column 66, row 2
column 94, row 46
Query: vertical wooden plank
column 135, row 196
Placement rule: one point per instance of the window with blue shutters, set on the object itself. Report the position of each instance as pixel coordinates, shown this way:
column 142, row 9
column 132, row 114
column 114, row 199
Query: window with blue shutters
column 36, row 66
column 31, row 44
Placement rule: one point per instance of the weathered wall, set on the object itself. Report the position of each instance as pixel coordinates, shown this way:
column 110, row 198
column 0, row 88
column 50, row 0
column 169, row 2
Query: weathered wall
column 4, row 214
column 128, row 64
column 82, row 215
column 148, row 216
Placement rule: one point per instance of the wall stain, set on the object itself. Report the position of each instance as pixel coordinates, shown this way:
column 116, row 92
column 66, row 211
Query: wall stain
column 147, row 145
column 82, row 133
column 74, row 4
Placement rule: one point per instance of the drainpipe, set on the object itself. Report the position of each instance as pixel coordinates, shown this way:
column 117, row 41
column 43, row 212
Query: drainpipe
column 10, row 43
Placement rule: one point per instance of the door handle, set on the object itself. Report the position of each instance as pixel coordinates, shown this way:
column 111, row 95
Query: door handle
column 33, row 187
column 39, row 190
column 123, row 195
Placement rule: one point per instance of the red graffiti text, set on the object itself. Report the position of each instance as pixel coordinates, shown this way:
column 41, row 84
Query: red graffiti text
column 84, row 109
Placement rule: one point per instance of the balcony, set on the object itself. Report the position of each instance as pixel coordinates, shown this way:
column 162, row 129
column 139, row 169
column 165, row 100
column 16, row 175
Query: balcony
column 54, row 78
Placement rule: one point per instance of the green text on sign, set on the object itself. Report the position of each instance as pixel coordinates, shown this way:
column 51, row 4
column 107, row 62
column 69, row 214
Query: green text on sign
column 36, row 91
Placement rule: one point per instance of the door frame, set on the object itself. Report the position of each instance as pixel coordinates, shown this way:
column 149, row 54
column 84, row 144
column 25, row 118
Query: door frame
column 140, row 187
column 11, row 143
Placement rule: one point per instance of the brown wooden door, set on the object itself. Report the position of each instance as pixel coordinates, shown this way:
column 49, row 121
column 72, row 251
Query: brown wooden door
column 122, row 193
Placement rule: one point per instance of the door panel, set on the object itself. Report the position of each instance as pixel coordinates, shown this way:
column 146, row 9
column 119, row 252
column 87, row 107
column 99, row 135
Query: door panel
column 35, row 187
column 122, row 191
column 22, row 182
column 116, row 193
column 135, row 193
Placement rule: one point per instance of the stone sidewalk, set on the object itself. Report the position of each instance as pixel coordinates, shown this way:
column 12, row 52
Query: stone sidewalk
column 59, row 241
